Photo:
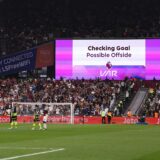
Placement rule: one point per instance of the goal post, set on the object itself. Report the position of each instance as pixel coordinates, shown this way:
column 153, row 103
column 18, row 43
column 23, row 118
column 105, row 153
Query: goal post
column 59, row 113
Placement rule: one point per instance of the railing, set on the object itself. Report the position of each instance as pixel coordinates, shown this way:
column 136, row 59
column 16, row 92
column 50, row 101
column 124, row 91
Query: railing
column 141, row 105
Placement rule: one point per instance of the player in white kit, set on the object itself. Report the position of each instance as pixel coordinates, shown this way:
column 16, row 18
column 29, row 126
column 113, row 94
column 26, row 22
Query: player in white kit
column 45, row 119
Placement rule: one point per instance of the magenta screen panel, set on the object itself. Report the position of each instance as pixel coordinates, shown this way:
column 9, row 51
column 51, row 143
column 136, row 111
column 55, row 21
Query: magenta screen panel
column 112, row 59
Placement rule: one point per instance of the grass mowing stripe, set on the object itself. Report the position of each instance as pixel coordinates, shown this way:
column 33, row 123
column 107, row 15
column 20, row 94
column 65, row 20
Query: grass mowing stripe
column 32, row 154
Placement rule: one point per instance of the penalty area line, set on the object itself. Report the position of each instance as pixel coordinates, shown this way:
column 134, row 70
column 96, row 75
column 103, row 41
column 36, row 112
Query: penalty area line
column 32, row 154
column 24, row 148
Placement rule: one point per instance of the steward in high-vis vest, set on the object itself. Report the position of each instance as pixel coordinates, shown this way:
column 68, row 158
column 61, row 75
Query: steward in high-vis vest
column 103, row 115
column 129, row 114
column 120, row 107
column 109, row 116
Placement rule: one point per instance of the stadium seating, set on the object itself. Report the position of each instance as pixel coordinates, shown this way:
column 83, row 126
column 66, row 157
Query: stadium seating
column 88, row 96
column 28, row 23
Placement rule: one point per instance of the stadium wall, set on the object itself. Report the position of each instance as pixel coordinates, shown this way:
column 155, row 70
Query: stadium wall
column 81, row 120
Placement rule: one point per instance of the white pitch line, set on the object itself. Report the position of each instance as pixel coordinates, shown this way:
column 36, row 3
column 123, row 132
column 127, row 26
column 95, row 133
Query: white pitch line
column 25, row 148
column 32, row 154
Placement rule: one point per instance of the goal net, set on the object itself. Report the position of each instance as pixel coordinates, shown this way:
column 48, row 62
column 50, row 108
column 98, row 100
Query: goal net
column 58, row 113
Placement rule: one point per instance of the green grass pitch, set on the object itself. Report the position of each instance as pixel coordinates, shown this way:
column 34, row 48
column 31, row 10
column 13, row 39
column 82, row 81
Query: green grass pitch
column 81, row 142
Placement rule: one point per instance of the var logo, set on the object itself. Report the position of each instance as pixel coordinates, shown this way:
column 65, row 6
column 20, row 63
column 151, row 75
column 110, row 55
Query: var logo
column 108, row 72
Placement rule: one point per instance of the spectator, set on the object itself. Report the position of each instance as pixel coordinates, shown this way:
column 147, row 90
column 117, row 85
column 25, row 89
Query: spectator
column 30, row 23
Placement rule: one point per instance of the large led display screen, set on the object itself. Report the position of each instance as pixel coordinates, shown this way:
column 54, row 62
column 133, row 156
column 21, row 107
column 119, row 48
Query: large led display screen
column 112, row 59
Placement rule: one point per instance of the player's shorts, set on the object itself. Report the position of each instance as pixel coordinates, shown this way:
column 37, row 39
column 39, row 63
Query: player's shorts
column 14, row 118
column 36, row 120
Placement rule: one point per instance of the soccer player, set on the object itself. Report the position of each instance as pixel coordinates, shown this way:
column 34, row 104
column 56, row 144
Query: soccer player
column 45, row 119
column 36, row 120
column 13, row 118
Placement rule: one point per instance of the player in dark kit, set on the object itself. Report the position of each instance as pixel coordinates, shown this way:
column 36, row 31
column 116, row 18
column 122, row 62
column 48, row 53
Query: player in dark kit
column 13, row 119
column 36, row 120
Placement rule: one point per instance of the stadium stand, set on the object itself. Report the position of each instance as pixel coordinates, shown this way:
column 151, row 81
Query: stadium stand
column 26, row 24
column 151, row 107
column 88, row 96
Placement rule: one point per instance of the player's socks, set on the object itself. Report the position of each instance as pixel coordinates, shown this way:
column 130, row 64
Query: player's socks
column 15, row 123
column 45, row 126
column 33, row 127
column 11, row 125
column 40, row 126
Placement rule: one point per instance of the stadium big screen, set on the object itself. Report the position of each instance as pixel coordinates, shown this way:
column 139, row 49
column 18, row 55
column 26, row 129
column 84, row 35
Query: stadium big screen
column 112, row 59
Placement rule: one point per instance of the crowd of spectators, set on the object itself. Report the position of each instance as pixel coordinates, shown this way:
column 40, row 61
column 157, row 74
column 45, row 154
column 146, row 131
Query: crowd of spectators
column 151, row 107
column 25, row 24
column 89, row 97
